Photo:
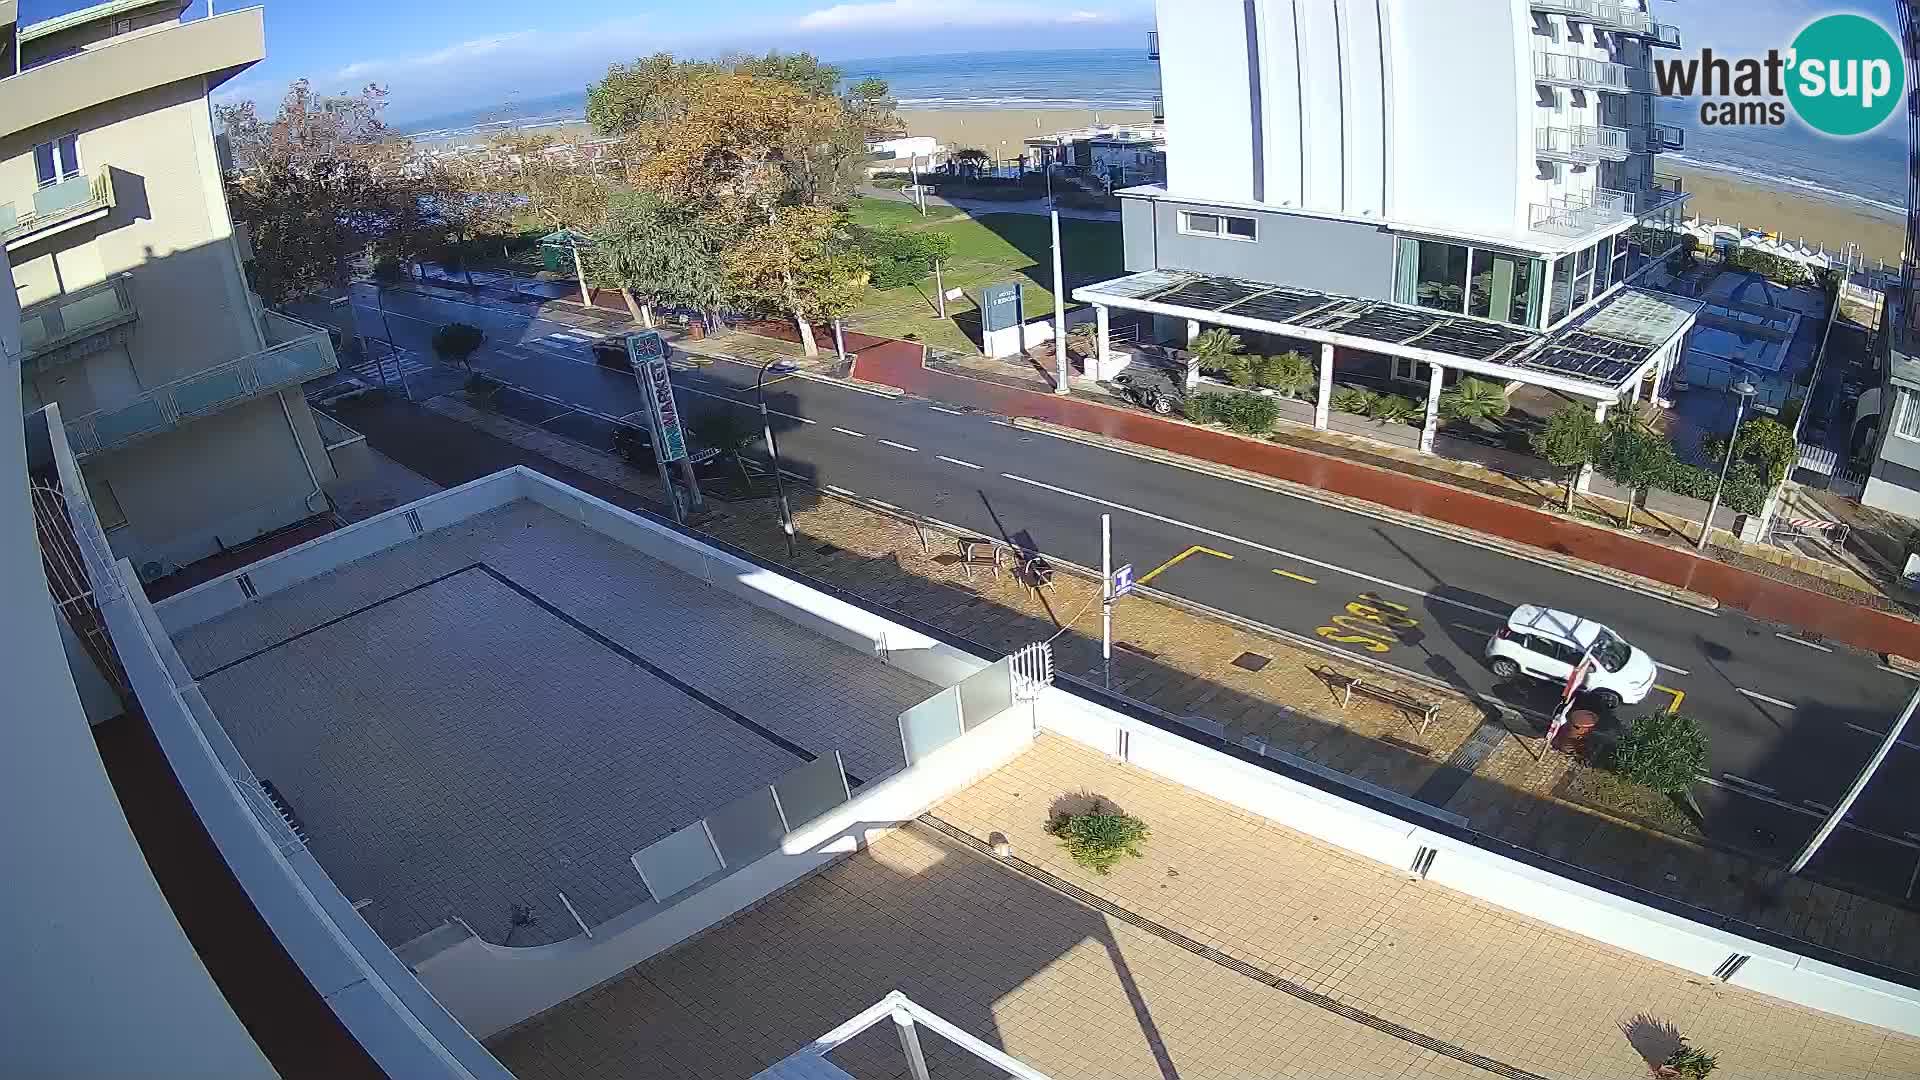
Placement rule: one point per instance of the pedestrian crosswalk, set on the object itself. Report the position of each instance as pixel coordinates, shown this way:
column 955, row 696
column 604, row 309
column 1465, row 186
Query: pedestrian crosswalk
column 388, row 370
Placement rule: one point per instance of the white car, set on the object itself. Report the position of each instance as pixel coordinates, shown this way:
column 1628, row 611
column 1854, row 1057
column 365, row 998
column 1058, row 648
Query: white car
column 1546, row 644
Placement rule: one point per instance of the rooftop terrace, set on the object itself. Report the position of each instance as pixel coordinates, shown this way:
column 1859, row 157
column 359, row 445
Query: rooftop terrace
column 506, row 709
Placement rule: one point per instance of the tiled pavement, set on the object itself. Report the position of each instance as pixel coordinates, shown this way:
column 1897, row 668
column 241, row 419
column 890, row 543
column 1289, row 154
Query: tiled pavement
column 455, row 748
column 1191, row 671
column 1077, row 992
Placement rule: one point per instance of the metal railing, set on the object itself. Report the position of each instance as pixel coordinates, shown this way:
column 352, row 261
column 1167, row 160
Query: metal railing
column 1565, row 69
column 55, row 203
column 1666, row 137
column 51, row 324
column 1578, row 215
column 1159, row 107
column 1606, row 14
column 1153, row 44
column 907, row 1017
column 1665, row 34
column 1581, row 144
column 201, row 394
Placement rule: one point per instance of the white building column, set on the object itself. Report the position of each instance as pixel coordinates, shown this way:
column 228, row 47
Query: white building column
column 1432, row 423
column 1100, row 341
column 1324, row 403
column 1633, row 392
column 1586, row 471
column 1193, row 330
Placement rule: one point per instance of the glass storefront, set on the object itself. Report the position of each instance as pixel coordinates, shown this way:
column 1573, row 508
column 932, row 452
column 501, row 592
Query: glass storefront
column 1475, row 281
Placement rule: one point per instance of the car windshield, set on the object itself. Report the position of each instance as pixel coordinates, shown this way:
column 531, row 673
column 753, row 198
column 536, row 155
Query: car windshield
column 1611, row 651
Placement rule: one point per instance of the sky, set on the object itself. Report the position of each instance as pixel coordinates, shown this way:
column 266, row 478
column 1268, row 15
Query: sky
column 438, row 56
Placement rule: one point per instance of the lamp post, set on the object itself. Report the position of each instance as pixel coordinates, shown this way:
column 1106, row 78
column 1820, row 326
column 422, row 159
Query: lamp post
column 1061, row 385
column 1742, row 391
column 773, row 453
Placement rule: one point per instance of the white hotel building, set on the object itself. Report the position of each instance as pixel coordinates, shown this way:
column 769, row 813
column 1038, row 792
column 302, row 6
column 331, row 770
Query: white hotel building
column 1458, row 185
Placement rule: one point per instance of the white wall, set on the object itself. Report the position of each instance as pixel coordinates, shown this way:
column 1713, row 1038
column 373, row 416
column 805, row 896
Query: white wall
column 492, row 987
column 1203, row 79
column 1459, row 865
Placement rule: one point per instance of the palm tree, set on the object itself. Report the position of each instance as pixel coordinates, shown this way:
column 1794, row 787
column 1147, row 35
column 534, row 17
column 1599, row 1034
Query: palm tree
column 1473, row 400
column 1288, row 373
column 1215, row 347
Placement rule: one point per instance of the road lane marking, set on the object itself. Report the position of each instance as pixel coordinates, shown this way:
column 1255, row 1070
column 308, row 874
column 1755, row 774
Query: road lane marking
column 1296, row 557
column 1820, row 806
column 1678, row 696
column 850, row 431
column 1296, row 577
column 1896, row 671
column 1803, row 641
column 1758, row 792
column 1881, row 735
column 1744, row 782
column 836, row 489
column 1468, row 629
column 957, row 461
column 1670, row 667
column 743, row 404
column 1003, row 423
column 949, row 412
column 1171, row 563
column 901, row 446
column 1762, row 697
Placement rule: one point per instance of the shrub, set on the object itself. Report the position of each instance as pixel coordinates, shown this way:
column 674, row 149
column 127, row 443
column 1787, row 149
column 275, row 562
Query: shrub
column 457, row 342
column 1251, row 414
column 1688, row 1063
column 1287, row 373
column 387, row 269
column 1354, row 399
column 1098, row 840
column 1213, row 347
column 1474, row 399
column 1665, row 751
column 1394, row 409
column 1773, row 267
column 1238, row 370
column 1207, row 408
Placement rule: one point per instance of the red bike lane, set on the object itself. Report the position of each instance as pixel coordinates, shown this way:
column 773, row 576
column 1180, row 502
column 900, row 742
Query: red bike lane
column 902, row 364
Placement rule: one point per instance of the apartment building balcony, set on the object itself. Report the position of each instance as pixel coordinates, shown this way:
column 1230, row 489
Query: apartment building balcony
column 1581, row 215
column 1581, row 145
column 1580, row 72
column 1605, row 14
column 217, row 388
column 1661, row 137
column 1664, row 35
column 74, row 201
column 1153, row 44
column 78, row 324
column 1159, row 108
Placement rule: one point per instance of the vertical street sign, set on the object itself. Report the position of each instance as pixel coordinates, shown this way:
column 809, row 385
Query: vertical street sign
column 647, row 351
column 1122, row 582
column 1000, row 306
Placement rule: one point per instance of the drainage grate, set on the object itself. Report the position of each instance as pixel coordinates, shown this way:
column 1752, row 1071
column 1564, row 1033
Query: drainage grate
column 1447, row 780
column 1251, row 661
column 1240, row 967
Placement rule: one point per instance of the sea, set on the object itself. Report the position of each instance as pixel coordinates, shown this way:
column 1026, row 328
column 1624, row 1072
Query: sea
column 1870, row 171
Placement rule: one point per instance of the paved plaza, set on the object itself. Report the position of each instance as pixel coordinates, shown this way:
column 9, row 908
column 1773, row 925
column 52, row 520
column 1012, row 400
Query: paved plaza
column 1328, row 966
column 505, row 710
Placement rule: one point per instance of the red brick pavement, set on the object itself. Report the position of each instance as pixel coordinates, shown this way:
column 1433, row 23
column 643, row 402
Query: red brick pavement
column 902, row 364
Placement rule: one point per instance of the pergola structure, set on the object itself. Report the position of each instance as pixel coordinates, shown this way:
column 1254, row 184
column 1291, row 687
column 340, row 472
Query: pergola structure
column 1605, row 354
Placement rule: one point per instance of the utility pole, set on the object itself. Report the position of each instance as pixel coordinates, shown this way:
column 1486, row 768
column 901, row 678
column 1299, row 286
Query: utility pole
column 1059, row 294
column 1859, row 784
column 579, row 271
column 939, row 289
column 839, row 341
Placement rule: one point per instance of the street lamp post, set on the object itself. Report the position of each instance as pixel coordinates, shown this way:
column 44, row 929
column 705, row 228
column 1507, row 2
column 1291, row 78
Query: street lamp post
column 1061, row 385
column 1742, row 391
column 773, row 452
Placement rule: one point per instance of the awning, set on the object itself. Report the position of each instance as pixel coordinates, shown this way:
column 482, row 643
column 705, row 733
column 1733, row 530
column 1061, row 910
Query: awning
column 1598, row 355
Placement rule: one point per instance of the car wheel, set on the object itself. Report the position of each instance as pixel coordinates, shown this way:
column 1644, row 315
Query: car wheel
column 1505, row 668
column 1605, row 700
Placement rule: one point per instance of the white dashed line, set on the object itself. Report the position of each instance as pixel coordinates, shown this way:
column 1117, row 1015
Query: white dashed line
column 883, row 502
column 901, row 446
column 1765, row 698
column 836, row 489
column 949, row 412
column 1744, row 782
column 1670, row 667
column 1002, row 423
column 957, row 461
column 1282, row 552
column 569, row 338
column 1803, row 641
column 850, row 431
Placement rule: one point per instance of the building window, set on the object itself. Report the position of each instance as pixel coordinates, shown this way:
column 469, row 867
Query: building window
column 122, row 26
column 1562, row 290
column 1502, row 287
column 1906, row 416
column 57, row 160
column 1439, row 275
column 1226, row 226
column 106, row 505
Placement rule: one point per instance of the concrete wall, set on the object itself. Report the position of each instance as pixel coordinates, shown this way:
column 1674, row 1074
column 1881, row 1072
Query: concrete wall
column 1460, row 865
column 492, row 987
column 1205, row 79
column 1329, row 254
column 1140, row 247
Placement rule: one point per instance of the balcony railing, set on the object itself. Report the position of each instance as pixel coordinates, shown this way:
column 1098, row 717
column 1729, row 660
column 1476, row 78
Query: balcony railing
column 1159, row 107
column 1665, row 34
column 68, row 327
column 1565, row 69
column 1580, row 145
column 1153, row 44
column 1665, row 137
column 1606, row 14
column 203, row 393
column 1578, row 215
column 55, row 204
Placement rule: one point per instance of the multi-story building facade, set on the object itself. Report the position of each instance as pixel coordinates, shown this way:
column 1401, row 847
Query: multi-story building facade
column 1487, row 159
column 183, row 397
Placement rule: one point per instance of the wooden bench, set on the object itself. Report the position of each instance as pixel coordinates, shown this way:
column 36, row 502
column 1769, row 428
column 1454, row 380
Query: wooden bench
column 979, row 551
column 1387, row 695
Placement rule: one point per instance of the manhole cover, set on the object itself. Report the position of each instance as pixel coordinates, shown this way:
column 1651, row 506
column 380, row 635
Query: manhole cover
column 1251, row 661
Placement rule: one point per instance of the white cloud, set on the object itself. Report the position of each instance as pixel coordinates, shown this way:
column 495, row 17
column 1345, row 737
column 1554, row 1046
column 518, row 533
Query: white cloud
column 933, row 14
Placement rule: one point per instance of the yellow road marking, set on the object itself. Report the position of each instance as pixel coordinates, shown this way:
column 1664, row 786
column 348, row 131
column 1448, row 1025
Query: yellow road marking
column 1678, row 696
column 1170, row 563
column 1296, row 577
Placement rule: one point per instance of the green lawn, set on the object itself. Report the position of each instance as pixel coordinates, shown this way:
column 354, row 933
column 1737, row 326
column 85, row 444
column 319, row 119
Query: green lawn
column 987, row 250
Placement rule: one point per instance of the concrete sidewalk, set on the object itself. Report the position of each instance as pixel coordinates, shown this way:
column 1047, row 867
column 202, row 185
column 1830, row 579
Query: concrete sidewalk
column 1826, row 616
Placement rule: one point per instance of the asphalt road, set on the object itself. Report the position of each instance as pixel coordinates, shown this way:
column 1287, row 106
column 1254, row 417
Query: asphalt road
column 1791, row 722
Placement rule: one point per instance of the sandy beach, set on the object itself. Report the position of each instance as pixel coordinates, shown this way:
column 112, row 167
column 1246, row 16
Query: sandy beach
column 1717, row 196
